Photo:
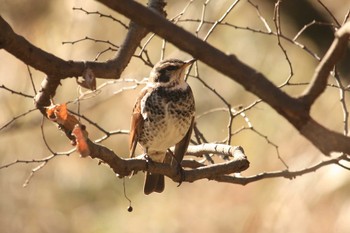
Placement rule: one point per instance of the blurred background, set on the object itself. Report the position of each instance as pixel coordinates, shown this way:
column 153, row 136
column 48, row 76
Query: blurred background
column 73, row 194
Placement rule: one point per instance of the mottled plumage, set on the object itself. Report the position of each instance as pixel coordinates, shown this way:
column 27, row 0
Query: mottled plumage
column 163, row 117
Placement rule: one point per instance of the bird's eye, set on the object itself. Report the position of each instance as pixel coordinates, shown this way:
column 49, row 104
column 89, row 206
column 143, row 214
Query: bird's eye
column 163, row 78
column 170, row 68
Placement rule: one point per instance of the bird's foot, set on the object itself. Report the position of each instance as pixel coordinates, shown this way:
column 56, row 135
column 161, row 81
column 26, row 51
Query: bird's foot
column 180, row 171
column 148, row 160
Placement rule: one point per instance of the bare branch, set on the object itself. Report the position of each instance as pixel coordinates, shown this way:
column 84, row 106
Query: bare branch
column 101, row 15
column 219, row 149
column 306, row 26
column 17, row 117
column 263, row 20
column 329, row 12
column 277, row 21
column 86, row 38
column 19, row 161
column 227, row 64
column 333, row 55
column 295, row 110
column 52, row 65
column 32, row 173
column 343, row 103
column 268, row 32
column 124, row 167
column 220, row 20
column 281, row 174
column 31, row 79
column 15, row 92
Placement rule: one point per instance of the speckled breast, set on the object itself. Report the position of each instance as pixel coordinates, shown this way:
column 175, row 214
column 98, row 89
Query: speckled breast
column 168, row 118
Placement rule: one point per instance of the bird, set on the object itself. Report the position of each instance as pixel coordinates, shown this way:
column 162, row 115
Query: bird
column 162, row 117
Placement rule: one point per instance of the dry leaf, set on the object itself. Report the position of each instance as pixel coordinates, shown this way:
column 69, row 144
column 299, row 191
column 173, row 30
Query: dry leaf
column 80, row 139
column 59, row 114
column 89, row 80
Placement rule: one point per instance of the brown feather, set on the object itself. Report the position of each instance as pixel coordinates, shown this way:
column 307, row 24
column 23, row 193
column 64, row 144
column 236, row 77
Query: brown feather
column 136, row 123
column 181, row 147
column 153, row 183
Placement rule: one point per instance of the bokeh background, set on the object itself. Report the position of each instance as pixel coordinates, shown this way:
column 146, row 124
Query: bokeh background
column 73, row 194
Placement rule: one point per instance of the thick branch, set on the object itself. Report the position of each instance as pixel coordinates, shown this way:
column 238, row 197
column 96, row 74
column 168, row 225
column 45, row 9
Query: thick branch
column 294, row 110
column 47, row 91
column 58, row 68
column 34, row 56
column 333, row 55
column 52, row 65
column 229, row 65
column 124, row 167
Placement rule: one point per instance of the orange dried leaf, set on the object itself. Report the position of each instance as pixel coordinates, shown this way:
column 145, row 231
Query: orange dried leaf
column 58, row 113
column 80, row 138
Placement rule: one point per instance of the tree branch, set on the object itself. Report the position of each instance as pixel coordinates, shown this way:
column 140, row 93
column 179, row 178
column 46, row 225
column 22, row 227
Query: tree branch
column 333, row 55
column 219, row 149
column 295, row 110
column 278, row 174
column 124, row 167
column 57, row 69
column 229, row 65
column 52, row 65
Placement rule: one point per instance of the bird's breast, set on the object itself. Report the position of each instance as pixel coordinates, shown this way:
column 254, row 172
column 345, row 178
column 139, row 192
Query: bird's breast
column 167, row 118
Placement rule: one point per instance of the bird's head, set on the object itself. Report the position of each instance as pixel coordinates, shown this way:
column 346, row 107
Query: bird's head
column 170, row 72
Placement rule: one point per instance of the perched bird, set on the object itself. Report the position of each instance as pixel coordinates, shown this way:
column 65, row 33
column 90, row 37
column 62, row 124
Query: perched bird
column 163, row 117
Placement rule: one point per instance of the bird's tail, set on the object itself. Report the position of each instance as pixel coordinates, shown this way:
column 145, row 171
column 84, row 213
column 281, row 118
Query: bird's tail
column 153, row 183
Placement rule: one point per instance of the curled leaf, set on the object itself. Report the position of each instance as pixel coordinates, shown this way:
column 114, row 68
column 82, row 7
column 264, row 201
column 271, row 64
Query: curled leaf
column 89, row 80
column 81, row 135
column 58, row 113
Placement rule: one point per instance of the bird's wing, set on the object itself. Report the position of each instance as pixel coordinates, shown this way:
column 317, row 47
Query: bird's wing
column 181, row 147
column 136, row 123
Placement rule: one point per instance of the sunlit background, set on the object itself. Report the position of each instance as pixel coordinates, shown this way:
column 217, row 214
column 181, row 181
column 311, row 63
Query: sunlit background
column 73, row 194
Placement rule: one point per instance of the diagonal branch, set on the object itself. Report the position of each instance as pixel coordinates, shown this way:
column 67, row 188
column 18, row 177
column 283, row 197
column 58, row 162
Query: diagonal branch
column 333, row 55
column 229, row 65
column 124, row 167
column 53, row 65
column 282, row 174
column 110, row 69
column 295, row 110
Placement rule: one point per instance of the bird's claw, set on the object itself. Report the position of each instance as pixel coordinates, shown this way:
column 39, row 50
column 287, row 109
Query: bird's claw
column 182, row 174
column 148, row 160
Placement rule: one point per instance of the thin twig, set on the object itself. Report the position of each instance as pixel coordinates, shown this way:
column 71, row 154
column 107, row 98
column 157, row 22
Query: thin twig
column 86, row 38
column 16, row 92
column 277, row 21
column 227, row 24
column 263, row 20
column 31, row 79
column 306, row 26
column 216, row 23
column 17, row 117
column 342, row 100
column 43, row 135
column 329, row 12
column 280, row 174
column 101, row 15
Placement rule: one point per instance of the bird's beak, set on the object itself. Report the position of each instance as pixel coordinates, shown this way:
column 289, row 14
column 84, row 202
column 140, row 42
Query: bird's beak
column 188, row 63
column 191, row 61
